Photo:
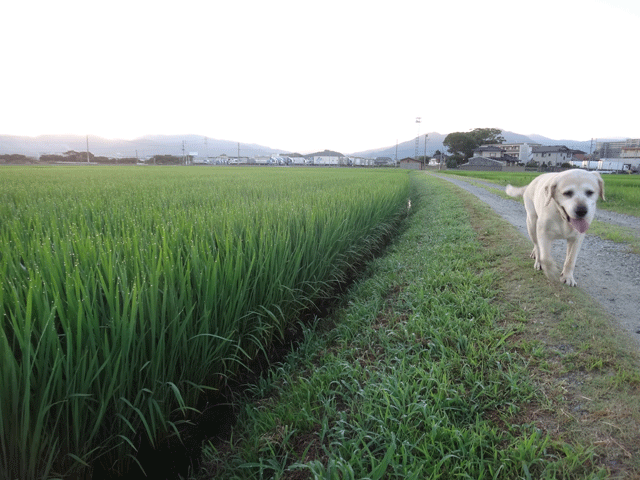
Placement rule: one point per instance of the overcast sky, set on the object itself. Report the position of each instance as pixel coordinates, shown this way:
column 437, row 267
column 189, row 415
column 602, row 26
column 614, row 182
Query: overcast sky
column 304, row 76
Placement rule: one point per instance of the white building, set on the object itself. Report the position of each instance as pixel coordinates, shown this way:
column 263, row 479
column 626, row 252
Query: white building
column 522, row 152
column 618, row 148
column 327, row 157
column 553, row 156
column 361, row 161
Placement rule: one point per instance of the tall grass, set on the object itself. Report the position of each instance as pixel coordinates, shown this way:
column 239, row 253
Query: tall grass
column 128, row 292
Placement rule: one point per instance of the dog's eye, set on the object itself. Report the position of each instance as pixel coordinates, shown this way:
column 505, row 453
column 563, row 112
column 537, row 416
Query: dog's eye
column 589, row 193
column 568, row 193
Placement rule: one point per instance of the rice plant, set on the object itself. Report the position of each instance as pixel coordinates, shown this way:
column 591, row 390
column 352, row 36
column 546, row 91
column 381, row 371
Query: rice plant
column 128, row 292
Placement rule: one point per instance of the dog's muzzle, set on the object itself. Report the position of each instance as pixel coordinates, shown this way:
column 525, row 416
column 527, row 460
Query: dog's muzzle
column 578, row 222
column 581, row 211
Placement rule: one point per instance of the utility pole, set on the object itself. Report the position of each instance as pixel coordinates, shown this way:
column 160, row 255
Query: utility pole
column 88, row 149
column 238, row 152
column 418, row 120
column 183, row 157
column 425, row 148
column 396, row 152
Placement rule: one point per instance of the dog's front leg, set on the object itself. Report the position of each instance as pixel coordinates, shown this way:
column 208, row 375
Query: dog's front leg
column 546, row 260
column 533, row 234
column 573, row 247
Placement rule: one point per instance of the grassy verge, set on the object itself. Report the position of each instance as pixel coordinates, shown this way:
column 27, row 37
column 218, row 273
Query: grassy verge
column 603, row 230
column 622, row 191
column 616, row 234
column 451, row 358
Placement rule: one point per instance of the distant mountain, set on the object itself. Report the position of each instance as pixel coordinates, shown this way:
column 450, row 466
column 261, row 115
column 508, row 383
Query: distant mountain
column 434, row 142
column 142, row 147
column 406, row 149
column 150, row 145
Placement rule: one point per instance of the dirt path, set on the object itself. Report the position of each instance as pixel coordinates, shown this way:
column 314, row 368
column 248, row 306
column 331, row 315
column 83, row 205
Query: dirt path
column 605, row 270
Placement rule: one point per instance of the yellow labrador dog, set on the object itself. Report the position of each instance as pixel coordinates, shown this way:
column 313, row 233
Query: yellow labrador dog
column 559, row 205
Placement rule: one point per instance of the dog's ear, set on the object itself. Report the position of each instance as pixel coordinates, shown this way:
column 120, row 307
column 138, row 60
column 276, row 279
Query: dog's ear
column 550, row 192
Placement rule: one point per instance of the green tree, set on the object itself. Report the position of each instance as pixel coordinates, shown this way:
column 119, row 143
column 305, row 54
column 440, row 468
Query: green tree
column 464, row 143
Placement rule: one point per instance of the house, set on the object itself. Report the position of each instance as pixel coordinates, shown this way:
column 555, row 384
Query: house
column 521, row 151
column 411, row 164
column 579, row 155
column 488, row 151
column 553, row 156
column 512, row 153
column 509, row 160
column 483, row 164
column 438, row 159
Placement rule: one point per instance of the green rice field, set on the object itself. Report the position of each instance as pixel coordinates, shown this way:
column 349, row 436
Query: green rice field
column 128, row 293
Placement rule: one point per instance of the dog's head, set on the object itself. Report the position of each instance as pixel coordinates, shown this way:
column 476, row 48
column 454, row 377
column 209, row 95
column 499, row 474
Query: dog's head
column 576, row 193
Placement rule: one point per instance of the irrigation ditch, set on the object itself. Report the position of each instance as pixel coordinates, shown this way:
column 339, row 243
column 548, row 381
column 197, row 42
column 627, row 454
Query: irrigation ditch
column 216, row 415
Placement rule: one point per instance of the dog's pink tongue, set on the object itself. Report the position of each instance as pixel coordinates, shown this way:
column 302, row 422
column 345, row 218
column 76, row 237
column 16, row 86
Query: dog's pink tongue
column 580, row 224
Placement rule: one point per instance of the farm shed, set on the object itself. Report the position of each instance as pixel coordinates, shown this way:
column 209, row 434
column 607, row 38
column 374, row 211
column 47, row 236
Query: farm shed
column 482, row 164
column 411, row 163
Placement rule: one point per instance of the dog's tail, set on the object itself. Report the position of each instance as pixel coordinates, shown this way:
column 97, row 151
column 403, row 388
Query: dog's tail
column 515, row 191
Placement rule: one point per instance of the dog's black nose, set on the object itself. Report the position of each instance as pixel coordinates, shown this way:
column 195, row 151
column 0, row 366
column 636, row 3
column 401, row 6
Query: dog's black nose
column 581, row 211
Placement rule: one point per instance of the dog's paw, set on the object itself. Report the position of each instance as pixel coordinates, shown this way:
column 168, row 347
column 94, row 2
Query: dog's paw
column 533, row 255
column 551, row 271
column 569, row 280
column 537, row 265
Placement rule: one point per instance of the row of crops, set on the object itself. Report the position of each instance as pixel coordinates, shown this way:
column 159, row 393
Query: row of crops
column 128, row 292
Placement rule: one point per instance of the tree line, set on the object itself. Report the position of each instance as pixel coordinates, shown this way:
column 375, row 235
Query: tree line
column 462, row 144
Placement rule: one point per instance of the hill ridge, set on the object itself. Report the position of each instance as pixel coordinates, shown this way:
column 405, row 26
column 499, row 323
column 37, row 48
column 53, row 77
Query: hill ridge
column 149, row 145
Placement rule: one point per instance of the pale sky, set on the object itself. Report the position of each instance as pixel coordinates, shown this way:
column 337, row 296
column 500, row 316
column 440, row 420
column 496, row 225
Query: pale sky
column 306, row 76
